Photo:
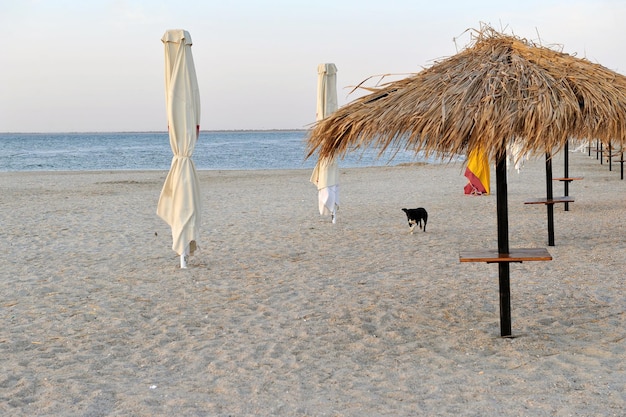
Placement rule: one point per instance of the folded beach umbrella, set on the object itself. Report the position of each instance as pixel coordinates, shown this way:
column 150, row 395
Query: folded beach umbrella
column 326, row 173
column 499, row 90
column 477, row 173
column 179, row 202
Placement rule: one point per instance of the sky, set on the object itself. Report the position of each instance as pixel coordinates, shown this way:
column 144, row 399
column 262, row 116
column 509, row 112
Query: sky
column 98, row 66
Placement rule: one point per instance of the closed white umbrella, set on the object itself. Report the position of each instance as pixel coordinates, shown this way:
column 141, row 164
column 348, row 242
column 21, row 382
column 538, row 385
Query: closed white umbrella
column 326, row 173
column 179, row 202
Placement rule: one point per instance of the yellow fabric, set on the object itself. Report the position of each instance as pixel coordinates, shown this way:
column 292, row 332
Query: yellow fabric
column 179, row 202
column 478, row 164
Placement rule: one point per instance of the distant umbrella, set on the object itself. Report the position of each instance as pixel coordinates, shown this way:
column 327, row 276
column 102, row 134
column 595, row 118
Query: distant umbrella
column 326, row 172
column 179, row 202
column 499, row 90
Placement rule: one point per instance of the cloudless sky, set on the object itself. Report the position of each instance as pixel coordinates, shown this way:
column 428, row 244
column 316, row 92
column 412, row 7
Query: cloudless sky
column 76, row 65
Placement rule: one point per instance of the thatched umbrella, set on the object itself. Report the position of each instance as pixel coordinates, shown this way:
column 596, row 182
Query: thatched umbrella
column 499, row 90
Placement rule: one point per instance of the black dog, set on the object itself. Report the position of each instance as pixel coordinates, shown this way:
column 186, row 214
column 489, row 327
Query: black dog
column 415, row 217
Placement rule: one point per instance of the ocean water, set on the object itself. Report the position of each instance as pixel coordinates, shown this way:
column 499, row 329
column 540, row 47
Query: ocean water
column 215, row 150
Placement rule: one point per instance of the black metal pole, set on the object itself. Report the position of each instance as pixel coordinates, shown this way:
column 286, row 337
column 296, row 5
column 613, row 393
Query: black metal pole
column 566, row 172
column 601, row 153
column 503, row 245
column 549, row 196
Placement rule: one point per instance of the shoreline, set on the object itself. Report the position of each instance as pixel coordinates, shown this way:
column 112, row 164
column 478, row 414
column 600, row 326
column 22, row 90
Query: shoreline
column 282, row 313
column 149, row 131
column 112, row 171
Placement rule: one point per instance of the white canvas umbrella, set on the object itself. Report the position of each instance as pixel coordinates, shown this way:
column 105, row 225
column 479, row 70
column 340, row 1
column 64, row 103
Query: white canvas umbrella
column 326, row 173
column 179, row 203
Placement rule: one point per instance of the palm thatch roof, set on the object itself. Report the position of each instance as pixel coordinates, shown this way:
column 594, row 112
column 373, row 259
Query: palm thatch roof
column 499, row 89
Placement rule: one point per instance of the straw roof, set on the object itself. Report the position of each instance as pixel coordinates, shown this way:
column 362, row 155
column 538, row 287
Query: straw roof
column 498, row 89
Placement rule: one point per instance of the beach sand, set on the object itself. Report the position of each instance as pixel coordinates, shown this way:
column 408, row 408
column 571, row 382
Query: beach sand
column 282, row 313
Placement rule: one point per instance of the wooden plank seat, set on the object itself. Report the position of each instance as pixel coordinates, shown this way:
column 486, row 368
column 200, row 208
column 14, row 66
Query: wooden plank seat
column 610, row 156
column 504, row 261
column 599, row 153
column 619, row 155
column 568, row 179
column 515, row 255
column 554, row 200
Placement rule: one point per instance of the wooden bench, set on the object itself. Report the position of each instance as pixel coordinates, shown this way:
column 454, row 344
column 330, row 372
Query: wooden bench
column 598, row 151
column 568, row 179
column 515, row 255
column 609, row 158
column 549, row 203
column 504, row 261
column 564, row 199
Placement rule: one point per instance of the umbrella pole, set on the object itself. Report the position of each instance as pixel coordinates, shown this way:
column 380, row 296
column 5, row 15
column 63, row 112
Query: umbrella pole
column 183, row 258
column 566, row 172
column 549, row 196
column 601, row 153
column 503, row 245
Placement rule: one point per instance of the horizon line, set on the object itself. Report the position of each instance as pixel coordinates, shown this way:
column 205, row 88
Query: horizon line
column 154, row 131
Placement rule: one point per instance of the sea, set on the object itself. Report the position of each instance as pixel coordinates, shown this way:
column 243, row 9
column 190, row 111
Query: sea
column 215, row 150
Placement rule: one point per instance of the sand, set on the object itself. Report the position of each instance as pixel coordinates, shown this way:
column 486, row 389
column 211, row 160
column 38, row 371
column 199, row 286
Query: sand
column 282, row 313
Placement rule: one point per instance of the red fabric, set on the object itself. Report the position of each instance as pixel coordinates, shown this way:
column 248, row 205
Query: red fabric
column 474, row 186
